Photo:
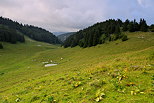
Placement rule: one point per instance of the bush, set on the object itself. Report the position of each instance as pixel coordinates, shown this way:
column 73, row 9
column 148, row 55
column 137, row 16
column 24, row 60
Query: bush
column 103, row 38
column 151, row 28
column 124, row 38
column 1, row 46
column 112, row 37
column 50, row 99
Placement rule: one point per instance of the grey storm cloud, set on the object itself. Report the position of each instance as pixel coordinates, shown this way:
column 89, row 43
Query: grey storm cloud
column 72, row 15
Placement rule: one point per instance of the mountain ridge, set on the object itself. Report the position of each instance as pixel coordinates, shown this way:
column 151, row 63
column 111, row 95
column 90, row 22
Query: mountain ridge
column 64, row 36
column 34, row 32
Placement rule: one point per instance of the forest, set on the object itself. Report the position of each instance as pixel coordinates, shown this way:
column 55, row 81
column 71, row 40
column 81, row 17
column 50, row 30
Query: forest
column 99, row 33
column 31, row 31
column 10, row 35
column 109, row 30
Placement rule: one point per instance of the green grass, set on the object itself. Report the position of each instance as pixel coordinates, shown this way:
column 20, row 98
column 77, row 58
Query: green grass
column 115, row 72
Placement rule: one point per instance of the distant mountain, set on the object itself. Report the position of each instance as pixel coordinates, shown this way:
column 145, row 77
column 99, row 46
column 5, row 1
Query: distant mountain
column 63, row 37
column 59, row 33
column 31, row 31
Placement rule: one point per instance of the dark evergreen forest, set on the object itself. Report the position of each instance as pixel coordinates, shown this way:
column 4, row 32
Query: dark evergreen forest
column 99, row 33
column 10, row 35
column 33, row 32
column 109, row 30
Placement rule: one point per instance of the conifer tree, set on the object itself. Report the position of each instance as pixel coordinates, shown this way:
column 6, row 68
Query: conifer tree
column 131, row 27
column 143, row 25
column 125, row 25
column 136, row 26
column 1, row 46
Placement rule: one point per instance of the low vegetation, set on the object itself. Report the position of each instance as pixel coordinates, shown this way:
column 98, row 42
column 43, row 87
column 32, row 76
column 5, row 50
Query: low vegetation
column 112, row 72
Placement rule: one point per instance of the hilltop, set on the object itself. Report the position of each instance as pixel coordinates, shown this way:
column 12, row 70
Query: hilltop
column 33, row 32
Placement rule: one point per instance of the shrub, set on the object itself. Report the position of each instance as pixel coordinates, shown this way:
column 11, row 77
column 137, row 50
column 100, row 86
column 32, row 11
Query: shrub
column 103, row 38
column 113, row 37
column 124, row 38
column 50, row 99
column 151, row 28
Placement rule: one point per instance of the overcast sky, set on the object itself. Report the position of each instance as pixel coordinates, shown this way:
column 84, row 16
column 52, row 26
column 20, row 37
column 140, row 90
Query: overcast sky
column 72, row 15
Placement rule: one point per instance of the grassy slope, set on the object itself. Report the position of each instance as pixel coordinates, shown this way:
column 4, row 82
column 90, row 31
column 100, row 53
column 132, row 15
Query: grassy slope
column 112, row 72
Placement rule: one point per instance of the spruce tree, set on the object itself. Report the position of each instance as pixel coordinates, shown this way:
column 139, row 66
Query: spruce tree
column 143, row 25
column 125, row 25
column 131, row 27
column 1, row 46
column 90, row 41
column 119, row 22
column 136, row 26
column 117, row 29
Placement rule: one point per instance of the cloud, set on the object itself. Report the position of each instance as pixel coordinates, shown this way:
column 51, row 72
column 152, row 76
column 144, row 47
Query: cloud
column 72, row 15
column 140, row 2
column 146, row 3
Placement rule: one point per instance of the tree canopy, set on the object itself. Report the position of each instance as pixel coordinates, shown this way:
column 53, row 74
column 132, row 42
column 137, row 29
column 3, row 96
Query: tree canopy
column 96, row 34
column 31, row 31
column 10, row 35
column 108, row 30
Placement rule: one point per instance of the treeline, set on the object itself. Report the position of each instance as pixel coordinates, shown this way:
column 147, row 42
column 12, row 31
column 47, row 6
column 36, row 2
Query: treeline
column 33, row 32
column 151, row 28
column 96, row 34
column 39, row 34
column 108, row 30
column 133, row 26
column 10, row 35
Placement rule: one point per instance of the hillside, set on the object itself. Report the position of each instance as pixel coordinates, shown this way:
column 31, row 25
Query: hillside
column 112, row 72
column 33, row 32
column 92, row 35
column 64, row 36
column 106, row 31
column 10, row 35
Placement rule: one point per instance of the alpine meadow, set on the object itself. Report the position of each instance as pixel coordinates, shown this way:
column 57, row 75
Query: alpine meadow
column 76, row 52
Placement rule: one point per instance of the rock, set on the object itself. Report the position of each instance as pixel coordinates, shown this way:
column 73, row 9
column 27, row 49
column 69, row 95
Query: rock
column 132, row 92
column 39, row 45
column 18, row 100
column 142, row 92
column 45, row 62
column 97, row 99
column 49, row 65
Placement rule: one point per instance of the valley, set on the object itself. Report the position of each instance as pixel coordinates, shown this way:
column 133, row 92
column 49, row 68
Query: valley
column 112, row 72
